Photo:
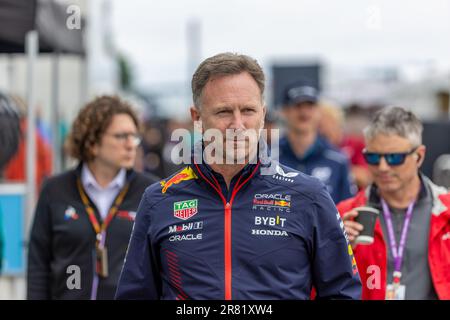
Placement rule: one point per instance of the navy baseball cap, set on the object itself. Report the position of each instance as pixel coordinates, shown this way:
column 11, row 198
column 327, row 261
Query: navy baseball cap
column 299, row 93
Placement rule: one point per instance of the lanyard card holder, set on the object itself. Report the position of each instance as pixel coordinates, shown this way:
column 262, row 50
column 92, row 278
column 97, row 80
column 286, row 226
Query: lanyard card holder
column 101, row 261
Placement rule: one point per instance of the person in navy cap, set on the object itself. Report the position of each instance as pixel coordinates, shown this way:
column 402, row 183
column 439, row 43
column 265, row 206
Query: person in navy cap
column 303, row 149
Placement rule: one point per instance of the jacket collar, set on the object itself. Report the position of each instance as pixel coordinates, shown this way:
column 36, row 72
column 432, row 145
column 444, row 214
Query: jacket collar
column 129, row 175
column 263, row 160
column 436, row 193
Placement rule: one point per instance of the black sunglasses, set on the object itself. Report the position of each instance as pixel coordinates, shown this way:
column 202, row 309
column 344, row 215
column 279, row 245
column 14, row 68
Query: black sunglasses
column 392, row 159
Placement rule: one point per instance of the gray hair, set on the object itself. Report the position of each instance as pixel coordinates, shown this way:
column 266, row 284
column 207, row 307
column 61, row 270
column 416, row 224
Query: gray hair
column 225, row 64
column 397, row 121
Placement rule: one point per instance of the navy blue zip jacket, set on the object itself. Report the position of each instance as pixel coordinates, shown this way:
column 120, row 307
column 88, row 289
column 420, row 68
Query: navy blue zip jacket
column 269, row 236
column 324, row 162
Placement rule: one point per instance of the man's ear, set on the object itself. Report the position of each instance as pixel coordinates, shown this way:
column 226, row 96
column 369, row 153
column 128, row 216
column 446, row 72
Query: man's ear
column 420, row 155
column 264, row 117
column 196, row 119
column 195, row 113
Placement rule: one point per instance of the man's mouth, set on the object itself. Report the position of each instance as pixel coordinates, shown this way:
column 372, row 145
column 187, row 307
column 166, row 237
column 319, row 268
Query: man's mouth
column 385, row 178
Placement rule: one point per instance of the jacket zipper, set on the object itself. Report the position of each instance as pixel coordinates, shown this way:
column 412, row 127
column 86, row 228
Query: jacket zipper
column 227, row 251
column 227, row 225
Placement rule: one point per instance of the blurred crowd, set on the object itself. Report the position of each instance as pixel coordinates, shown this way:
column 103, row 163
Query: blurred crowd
column 111, row 156
column 341, row 126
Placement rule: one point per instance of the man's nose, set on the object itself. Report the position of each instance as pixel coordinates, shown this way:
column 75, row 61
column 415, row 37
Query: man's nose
column 130, row 143
column 237, row 121
column 383, row 165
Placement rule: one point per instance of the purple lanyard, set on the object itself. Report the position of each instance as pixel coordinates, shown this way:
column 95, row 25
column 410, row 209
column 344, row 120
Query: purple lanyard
column 397, row 253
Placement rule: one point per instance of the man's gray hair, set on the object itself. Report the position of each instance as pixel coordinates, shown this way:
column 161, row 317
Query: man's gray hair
column 397, row 121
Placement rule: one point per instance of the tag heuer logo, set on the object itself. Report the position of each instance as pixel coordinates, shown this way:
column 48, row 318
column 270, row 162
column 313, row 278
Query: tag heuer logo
column 185, row 209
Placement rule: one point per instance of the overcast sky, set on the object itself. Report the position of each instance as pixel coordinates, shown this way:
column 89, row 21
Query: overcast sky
column 344, row 33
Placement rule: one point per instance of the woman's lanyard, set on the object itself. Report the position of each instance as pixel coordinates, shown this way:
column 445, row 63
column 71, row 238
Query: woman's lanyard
column 101, row 253
column 100, row 230
column 397, row 252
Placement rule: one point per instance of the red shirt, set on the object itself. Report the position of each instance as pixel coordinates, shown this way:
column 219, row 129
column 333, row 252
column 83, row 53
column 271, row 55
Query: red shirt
column 353, row 147
column 15, row 170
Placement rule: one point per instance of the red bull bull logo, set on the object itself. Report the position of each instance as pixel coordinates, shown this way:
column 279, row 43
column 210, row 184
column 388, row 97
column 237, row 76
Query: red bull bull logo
column 272, row 202
column 186, row 174
column 283, row 203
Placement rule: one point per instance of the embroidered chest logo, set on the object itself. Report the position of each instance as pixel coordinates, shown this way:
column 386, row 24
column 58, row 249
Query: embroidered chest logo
column 70, row 214
column 284, row 176
column 272, row 202
column 126, row 215
column 185, row 209
column 322, row 173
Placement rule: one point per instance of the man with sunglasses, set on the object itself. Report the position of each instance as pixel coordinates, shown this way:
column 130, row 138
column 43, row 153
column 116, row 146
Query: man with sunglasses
column 410, row 255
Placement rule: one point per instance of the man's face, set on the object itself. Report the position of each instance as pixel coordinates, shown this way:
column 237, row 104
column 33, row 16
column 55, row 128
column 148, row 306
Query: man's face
column 394, row 178
column 331, row 128
column 302, row 117
column 234, row 104
column 118, row 145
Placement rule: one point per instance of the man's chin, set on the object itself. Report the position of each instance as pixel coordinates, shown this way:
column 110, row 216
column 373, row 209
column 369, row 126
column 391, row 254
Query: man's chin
column 240, row 156
column 301, row 129
column 127, row 165
column 236, row 160
column 388, row 187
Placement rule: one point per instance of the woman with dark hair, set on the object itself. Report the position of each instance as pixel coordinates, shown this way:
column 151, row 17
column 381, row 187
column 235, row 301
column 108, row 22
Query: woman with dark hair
column 84, row 217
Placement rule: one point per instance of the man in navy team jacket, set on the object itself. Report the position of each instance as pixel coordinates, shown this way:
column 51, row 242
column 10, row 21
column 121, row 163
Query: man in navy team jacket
column 257, row 230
